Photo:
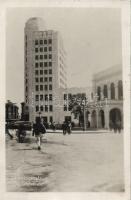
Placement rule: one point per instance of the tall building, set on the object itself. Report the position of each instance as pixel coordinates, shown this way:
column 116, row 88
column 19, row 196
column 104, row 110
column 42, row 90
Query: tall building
column 45, row 70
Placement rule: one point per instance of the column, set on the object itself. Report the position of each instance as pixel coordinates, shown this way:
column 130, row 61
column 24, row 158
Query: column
column 109, row 91
column 107, row 116
column 116, row 91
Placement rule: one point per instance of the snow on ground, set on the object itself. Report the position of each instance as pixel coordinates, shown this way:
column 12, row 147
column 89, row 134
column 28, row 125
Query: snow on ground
column 91, row 162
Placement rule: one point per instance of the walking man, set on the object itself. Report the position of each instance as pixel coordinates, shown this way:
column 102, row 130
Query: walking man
column 38, row 130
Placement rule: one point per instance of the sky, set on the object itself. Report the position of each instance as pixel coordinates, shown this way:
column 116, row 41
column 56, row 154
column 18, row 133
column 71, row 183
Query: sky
column 91, row 37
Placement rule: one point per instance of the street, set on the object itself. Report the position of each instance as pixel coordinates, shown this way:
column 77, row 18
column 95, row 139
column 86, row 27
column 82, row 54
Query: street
column 91, row 162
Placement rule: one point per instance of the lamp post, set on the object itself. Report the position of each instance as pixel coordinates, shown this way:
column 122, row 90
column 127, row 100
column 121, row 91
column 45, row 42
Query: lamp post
column 84, row 103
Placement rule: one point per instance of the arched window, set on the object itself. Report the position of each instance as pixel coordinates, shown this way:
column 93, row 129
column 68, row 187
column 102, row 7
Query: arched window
column 120, row 90
column 99, row 92
column 112, row 91
column 105, row 92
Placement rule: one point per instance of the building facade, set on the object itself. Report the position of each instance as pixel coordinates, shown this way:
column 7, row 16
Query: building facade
column 106, row 107
column 45, row 70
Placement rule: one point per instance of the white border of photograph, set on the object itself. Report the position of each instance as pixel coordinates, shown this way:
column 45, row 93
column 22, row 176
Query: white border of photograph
column 125, row 8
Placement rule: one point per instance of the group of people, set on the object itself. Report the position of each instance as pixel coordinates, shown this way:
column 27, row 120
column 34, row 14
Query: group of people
column 116, row 126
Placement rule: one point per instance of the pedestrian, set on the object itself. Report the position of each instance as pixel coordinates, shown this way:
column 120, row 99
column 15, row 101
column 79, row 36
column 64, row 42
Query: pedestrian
column 111, row 125
column 21, row 133
column 64, row 127
column 38, row 130
column 115, row 127
column 53, row 126
column 119, row 126
column 69, row 127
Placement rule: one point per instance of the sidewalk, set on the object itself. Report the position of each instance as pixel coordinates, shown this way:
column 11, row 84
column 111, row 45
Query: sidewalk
column 81, row 131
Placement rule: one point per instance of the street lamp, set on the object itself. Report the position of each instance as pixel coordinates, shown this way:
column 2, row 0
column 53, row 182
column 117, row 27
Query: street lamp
column 84, row 103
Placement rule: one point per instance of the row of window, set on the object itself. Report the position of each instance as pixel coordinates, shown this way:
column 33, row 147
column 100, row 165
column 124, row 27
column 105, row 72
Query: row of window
column 45, row 108
column 37, row 57
column 70, row 96
column 45, row 79
column 45, row 64
column 41, row 72
column 41, row 87
column 41, row 42
column 112, row 91
column 67, row 108
column 45, row 97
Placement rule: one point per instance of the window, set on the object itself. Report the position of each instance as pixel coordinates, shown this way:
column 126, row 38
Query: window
column 65, row 108
column 50, row 87
column 45, row 64
column 65, row 96
column 45, row 41
column 45, row 79
column 37, row 97
column 50, row 64
column 41, row 87
column 50, row 48
column 112, row 87
column 37, row 108
column 36, row 50
column 46, row 97
column 46, row 108
column 41, row 41
column 105, row 92
column 50, row 97
column 41, row 64
column 26, row 89
column 41, row 97
column 37, row 87
column 46, row 87
column 41, row 108
column 41, row 49
column 36, row 80
column 120, row 90
column 45, row 71
column 50, row 79
column 36, row 64
column 51, row 108
column 41, row 72
column 69, row 96
column 45, row 56
column 36, row 57
column 50, row 41
column 41, row 57
column 41, row 79
column 45, row 49
column 36, row 72
column 50, row 71
column 36, row 42
column 50, row 56
column 99, row 93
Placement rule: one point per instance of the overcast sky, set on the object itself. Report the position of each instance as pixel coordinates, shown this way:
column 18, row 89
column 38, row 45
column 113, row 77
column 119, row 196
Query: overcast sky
column 91, row 36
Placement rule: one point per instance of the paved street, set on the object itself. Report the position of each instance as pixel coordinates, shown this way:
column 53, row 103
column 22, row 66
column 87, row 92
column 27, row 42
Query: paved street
column 90, row 162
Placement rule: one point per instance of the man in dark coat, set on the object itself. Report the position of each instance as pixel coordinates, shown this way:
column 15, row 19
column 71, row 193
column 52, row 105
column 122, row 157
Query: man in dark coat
column 38, row 130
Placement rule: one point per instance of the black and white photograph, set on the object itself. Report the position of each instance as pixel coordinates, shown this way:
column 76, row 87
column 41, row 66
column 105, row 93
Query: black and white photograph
column 64, row 100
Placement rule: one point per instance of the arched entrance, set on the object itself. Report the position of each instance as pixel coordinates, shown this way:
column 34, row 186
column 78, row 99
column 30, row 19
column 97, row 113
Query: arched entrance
column 93, row 119
column 101, row 119
column 115, row 116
